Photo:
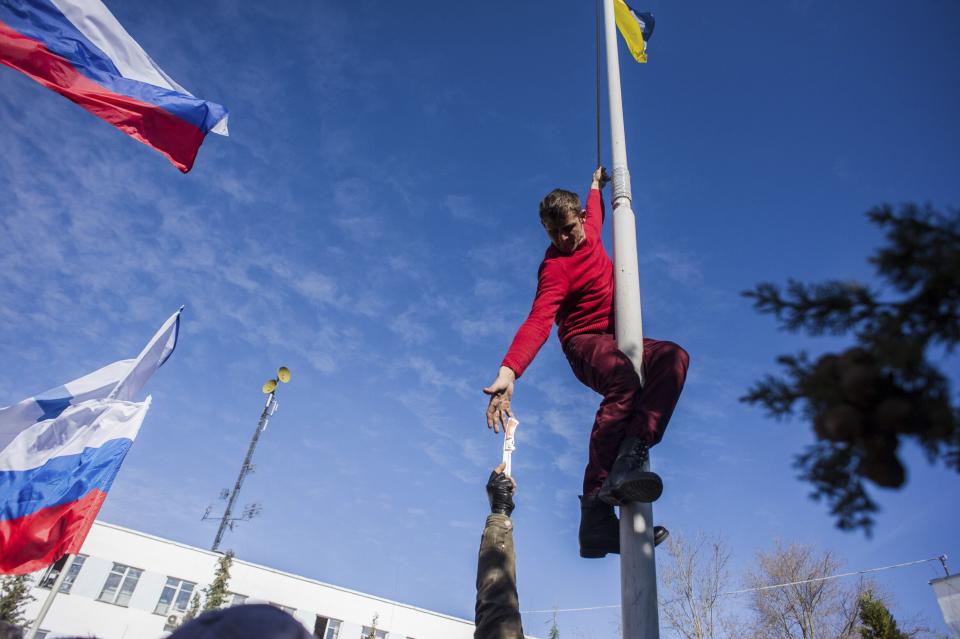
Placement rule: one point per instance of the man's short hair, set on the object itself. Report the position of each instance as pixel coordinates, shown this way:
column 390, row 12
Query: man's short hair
column 558, row 203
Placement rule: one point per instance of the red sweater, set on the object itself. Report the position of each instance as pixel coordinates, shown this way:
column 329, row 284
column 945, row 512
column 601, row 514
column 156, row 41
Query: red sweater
column 574, row 290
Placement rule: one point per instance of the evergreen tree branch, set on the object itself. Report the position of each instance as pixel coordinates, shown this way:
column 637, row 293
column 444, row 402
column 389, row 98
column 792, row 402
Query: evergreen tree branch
column 864, row 401
column 833, row 307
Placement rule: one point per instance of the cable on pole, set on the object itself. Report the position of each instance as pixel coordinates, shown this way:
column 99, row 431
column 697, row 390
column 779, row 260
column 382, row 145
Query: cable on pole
column 829, row 577
column 939, row 558
column 552, row 610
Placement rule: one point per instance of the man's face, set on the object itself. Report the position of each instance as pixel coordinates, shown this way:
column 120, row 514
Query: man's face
column 567, row 234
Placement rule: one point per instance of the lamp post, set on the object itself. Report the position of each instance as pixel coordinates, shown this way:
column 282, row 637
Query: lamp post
column 251, row 510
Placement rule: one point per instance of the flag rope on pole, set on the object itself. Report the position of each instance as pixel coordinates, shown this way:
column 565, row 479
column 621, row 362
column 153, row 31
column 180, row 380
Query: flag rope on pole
column 598, row 16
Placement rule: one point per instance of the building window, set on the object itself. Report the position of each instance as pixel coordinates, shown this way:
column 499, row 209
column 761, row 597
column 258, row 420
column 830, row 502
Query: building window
column 368, row 632
column 286, row 609
column 326, row 628
column 120, row 585
column 175, row 596
column 236, row 599
column 53, row 572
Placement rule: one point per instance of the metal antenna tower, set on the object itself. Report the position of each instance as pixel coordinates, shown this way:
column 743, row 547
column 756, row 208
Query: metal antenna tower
column 227, row 521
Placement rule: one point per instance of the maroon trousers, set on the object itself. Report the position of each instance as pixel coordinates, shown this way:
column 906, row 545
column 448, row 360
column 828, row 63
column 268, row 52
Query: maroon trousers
column 626, row 409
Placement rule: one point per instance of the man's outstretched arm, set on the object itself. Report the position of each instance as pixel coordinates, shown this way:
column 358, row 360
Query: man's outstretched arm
column 551, row 289
column 498, row 607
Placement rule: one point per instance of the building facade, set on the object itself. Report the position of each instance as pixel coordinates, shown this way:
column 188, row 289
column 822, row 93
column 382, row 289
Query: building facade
column 947, row 590
column 128, row 584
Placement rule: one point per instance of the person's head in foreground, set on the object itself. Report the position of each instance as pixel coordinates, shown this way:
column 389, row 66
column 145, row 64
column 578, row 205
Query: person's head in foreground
column 253, row 621
column 10, row 631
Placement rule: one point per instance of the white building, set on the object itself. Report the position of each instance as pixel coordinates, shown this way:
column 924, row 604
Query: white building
column 128, row 584
column 947, row 590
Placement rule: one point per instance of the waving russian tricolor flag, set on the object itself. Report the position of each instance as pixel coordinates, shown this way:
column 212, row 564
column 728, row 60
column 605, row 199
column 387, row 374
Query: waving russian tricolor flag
column 78, row 49
column 60, row 451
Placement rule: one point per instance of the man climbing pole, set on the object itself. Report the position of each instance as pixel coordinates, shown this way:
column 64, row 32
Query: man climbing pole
column 575, row 289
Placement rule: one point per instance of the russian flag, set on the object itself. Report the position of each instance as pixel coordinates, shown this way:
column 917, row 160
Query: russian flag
column 78, row 49
column 60, row 451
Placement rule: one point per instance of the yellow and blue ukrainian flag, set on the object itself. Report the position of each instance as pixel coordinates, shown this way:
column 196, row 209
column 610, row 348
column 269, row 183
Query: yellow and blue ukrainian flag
column 635, row 27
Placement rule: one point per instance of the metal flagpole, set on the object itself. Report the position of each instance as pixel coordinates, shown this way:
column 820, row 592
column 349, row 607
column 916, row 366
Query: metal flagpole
column 49, row 601
column 638, row 572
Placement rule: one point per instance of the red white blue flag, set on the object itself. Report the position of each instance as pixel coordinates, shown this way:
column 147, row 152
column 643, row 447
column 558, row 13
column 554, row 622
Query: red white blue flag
column 60, row 451
column 78, row 49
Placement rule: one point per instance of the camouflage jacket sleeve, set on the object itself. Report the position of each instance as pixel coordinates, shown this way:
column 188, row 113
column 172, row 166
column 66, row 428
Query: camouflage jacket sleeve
column 498, row 607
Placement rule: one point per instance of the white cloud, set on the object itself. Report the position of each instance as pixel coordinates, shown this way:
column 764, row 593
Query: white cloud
column 680, row 266
column 316, row 287
column 565, row 426
column 475, row 452
column 438, row 381
column 444, row 454
column 409, row 328
column 490, row 288
column 466, row 209
column 492, row 325
column 571, row 462
column 360, row 228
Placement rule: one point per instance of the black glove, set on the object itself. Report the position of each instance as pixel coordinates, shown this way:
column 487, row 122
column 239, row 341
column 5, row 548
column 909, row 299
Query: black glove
column 500, row 493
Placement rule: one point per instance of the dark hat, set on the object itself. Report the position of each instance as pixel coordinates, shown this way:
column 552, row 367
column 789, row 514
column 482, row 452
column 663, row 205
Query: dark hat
column 253, row 621
column 10, row 631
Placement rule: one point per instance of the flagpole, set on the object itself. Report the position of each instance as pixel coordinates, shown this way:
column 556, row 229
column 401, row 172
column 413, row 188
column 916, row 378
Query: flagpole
column 638, row 572
column 50, row 597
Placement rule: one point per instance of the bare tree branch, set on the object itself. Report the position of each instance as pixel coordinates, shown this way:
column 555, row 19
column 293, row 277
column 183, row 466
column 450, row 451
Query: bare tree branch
column 692, row 583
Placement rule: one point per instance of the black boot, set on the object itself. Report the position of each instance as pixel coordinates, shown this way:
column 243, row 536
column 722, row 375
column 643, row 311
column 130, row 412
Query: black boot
column 599, row 528
column 627, row 480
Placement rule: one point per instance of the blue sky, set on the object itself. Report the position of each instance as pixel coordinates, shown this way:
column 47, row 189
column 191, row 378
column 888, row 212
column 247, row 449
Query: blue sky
column 371, row 223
